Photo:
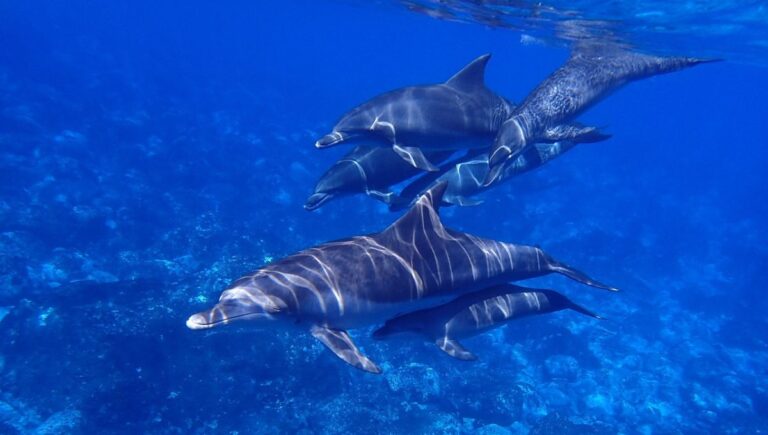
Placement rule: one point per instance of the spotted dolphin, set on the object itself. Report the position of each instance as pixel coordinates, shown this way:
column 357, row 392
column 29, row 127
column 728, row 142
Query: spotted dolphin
column 593, row 71
column 413, row 264
column 465, row 179
column 459, row 113
column 475, row 313
column 366, row 169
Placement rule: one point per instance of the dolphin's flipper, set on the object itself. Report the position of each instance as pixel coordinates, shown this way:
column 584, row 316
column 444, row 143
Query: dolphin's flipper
column 415, row 157
column 574, row 132
column 385, row 197
column 339, row 342
column 454, row 349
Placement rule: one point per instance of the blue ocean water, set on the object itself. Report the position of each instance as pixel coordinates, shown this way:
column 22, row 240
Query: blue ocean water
column 153, row 152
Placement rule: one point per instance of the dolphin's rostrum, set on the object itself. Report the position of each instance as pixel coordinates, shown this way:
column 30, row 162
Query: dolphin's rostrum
column 413, row 264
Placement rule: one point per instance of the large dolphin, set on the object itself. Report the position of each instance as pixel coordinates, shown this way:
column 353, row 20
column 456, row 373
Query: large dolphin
column 475, row 313
column 592, row 72
column 460, row 113
column 465, row 179
column 413, row 264
column 366, row 169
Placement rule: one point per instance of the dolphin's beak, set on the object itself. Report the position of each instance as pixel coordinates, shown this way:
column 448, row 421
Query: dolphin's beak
column 316, row 200
column 199, row 321
column 330, row 139
column 493, row 174
column 225, row 312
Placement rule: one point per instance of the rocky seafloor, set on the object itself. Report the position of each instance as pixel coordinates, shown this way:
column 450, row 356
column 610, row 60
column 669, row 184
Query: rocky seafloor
column 118, row 223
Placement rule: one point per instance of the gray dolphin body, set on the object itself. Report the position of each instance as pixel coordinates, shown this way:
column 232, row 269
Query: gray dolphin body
column 366, row 169
column 589, row 75
column 460, row 113
column 475, row 313
column 413, row 264
column 465, row 179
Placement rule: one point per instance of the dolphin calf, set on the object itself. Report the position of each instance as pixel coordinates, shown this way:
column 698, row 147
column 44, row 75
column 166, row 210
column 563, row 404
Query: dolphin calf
column 591, row 73
column 476, row 313
column 413, row 264
column 465, row 179
column 366, row 169
column 459, row 113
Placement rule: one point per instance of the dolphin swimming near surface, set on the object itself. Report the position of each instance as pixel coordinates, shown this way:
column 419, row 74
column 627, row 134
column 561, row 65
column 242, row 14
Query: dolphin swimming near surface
column 366, row 169
column 465, row 179
column 475, row 313
column 413, row 264
column 593, row 71
column 459, row 113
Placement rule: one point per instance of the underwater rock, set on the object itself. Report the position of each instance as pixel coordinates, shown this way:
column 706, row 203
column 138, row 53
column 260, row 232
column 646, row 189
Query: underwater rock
column 562, row 367
column 415, row 381
column 61, row 422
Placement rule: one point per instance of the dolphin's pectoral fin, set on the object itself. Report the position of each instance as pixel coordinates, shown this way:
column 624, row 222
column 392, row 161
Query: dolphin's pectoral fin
column 454, row 349
column 339, row 342
column 415, row 157
column 575, row 133
column 384, row 196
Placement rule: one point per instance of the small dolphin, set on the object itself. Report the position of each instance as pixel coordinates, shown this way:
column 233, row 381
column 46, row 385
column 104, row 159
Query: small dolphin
column 591, row 73
column 413, row 264
column 366, row 169
column 476, row 313
column 465, row 179
column 460, row 113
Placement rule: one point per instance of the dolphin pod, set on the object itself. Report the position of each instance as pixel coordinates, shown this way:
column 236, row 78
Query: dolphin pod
column 417, row 275
column 475, row 313
column 463, row 113
column 413, row 264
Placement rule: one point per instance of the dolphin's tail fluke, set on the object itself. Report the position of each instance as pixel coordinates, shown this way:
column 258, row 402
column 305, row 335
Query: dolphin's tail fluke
column 578, row 308
column 577, row 275
column 671, row 64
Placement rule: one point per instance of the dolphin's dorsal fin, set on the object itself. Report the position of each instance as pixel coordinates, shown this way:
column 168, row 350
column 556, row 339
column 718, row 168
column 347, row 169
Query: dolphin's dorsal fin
column 472, row 76
column 423, row 215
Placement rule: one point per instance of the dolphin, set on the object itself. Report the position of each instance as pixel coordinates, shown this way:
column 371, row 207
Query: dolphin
column 475, row 313
column 465, row 179
column 413, row 264
column 366, row 169
column 593, row 71
column 459, row 113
